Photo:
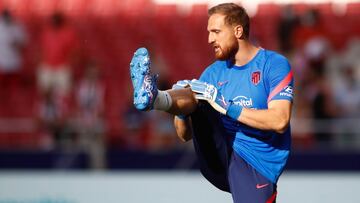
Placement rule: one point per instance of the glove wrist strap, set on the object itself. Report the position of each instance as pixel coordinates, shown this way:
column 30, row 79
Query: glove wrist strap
column 234, row 111
column 182, row 117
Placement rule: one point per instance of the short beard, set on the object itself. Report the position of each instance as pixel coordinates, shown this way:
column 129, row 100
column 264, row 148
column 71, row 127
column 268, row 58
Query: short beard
column 227, row 52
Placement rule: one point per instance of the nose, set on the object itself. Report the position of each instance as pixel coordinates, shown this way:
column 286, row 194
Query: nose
column 211, row 38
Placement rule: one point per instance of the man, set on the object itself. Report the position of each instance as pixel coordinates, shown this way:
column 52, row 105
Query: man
column 237, row 113
column 58, row 46
column 12, row 41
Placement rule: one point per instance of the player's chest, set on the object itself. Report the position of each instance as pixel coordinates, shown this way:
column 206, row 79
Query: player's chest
column 246, row 88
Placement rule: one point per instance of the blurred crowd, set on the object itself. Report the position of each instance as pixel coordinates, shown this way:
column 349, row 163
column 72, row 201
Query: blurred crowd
column 71, row 100
column 327, row 104
column 68, row 113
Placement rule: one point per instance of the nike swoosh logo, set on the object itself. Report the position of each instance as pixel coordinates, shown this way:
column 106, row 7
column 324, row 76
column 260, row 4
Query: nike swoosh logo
column 222, row 83
column 258, row 186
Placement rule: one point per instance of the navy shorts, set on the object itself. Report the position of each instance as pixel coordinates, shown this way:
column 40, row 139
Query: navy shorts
column 222, row 167
column 247, row 185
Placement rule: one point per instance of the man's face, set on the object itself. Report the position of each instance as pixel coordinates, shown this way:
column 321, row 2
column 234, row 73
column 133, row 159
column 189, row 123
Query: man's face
column 222, row 37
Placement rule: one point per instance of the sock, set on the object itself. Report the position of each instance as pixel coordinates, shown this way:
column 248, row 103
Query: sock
column 163, row 101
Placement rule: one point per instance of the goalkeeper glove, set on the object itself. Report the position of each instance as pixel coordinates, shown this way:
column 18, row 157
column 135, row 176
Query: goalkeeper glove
column 210, row 93
column 181, row 84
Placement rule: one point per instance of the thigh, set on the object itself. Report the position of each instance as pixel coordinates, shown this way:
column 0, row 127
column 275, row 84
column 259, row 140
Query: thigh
column 210, row 147
column 247, row 185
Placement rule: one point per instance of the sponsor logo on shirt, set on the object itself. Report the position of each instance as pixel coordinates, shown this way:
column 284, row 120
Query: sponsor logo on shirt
column 287, row 91
column 243, row 101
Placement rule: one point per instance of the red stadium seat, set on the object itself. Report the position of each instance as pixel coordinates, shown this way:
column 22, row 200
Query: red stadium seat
column 111, row 38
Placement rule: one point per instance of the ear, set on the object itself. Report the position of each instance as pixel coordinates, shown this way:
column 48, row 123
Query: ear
column 238, row 31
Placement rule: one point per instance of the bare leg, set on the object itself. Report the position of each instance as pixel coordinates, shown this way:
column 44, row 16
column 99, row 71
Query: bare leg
column 183, row 101
column 148, row 97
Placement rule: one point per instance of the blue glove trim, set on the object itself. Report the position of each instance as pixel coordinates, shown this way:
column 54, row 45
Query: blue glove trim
column 182, row 117
column 234, row 111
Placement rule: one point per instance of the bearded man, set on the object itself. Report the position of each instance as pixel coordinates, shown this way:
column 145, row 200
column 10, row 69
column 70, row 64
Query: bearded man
column 237, row 113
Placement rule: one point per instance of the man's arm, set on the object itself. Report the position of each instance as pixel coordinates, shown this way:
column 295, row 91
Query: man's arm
column 275, row 118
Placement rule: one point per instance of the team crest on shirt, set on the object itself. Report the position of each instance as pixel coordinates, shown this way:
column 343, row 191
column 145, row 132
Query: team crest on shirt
column 255, row 77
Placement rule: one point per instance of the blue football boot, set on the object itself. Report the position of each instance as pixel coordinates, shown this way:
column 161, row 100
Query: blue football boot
column 144, row 83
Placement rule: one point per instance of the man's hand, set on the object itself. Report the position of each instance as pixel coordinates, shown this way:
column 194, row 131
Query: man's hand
column 210, row 93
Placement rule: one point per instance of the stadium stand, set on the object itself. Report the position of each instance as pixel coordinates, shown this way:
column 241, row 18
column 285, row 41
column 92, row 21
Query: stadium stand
column 110, row 34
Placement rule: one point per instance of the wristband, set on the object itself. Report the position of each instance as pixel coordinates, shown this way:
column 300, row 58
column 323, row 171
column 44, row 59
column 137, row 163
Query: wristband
column 234, row 111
